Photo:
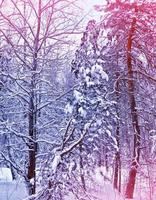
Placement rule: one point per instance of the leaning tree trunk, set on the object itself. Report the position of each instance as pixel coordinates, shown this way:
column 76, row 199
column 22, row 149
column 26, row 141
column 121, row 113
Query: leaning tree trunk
column 131, row 88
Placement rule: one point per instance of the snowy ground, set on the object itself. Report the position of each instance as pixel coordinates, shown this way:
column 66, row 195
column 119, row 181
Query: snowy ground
column 5, row 174
column 105, row 192
column 12, row 190
column 9, row 189
column 100, row 189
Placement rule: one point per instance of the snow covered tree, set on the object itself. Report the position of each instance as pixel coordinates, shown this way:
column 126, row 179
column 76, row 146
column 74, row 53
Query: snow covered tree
column 115, row 44
column 90, row 107
column 33, row 32
column 92, row 118
column 131, row 33
column 108, row 124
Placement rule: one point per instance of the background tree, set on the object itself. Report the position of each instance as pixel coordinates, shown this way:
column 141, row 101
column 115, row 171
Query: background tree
column 124, row 35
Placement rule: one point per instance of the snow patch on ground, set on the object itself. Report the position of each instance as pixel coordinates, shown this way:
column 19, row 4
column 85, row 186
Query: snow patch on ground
column 5, row 174
column 103, row 192
column 13, row 190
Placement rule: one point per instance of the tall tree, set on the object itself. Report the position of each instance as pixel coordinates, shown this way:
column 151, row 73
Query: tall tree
column 126, row 33
column 90, row 105
column 33, row 32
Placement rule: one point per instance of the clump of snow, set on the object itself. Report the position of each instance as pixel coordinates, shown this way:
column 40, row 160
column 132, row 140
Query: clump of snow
column 87, row 125
column 82, row 112
column 69, row 108
column 78, row 96
column 98, row 69
column 56, row 161
column 108, row 133
column 5, row 174
column 87, row 70
column 99, row 122
column 107, row 113
column 32, row 181
column 104, row 75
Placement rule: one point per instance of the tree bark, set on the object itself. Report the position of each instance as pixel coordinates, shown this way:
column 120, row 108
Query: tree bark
column 117, row 170
column 82, row 168
column 135, row 122
column 32, row 146
column 117, row 178
column 33, row 111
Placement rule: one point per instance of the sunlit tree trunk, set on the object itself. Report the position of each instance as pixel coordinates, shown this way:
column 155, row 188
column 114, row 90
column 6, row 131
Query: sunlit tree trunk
column 132, row 100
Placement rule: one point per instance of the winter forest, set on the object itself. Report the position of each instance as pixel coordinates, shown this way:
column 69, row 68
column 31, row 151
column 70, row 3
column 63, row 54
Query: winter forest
column 77, row 99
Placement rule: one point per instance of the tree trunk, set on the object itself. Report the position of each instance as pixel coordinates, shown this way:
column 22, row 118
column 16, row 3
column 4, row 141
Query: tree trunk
column 82, row 168
column 117, row 178
column 131, row 88
column 32, row 145
column 117, row 170
column 33, row 110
